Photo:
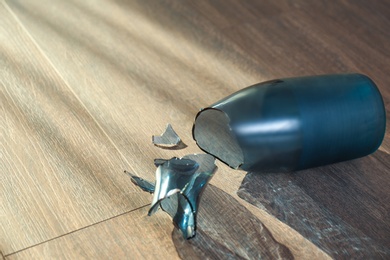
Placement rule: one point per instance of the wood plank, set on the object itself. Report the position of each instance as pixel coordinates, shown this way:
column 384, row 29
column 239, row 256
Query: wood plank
column 348, row 217
column 59, row 170
column 306, row 38
column 136, row 66
column 228, row 14
column 119, row 76
column 117, row 66
column 364, row 49
column 116, row 95
column 128, row 235
column 226, row 229
column 342, row 208
column 132, row 234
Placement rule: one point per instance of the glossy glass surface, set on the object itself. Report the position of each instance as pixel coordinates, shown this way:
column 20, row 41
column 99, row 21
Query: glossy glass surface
column 167, row 139
column 294, row 123
column 179, row 184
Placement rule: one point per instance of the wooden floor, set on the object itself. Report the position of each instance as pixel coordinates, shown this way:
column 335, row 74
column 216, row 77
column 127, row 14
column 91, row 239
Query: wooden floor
column 85, row 84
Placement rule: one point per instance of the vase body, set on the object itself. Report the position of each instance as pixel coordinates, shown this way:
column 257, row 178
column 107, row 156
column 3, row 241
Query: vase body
column 295, row 123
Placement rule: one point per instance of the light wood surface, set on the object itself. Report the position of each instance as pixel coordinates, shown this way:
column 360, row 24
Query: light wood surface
column 85, row 84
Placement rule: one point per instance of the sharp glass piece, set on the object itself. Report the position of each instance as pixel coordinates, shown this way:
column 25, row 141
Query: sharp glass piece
column 167, row 139
column 179, row 184
column 143, row 184
column 158, row 162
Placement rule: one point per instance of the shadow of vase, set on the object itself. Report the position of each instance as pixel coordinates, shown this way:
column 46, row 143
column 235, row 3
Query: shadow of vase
column 342, row 208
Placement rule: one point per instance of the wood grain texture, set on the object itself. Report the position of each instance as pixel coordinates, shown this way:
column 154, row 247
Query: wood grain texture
column 353, row 208
column 126, row 236
column 59, row 170
column 123, row 78
column 342, row 208
column 108, row 82
column 130, row 235
column 119, row 84
column 86, row 85
column 227, row 230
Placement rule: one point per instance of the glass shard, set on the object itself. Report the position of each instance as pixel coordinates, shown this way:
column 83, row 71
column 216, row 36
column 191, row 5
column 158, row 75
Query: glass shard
column 143, row 184
column 168, row 139
column 158, row 162
column 179, row 184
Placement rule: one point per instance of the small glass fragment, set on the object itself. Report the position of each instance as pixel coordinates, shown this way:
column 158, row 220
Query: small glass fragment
column 143, row 184
column 168, row 139
column 158, row 162
column 179, row 184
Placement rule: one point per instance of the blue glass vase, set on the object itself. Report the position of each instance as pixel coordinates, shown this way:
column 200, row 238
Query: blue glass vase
column 294, row 123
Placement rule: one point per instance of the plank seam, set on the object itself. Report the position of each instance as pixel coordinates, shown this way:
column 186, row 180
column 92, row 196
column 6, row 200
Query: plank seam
column 19, row 22
column 76, row 230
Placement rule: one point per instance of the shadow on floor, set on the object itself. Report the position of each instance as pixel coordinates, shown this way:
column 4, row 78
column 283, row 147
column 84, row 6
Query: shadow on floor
column 342, row 208
column 227, row 230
